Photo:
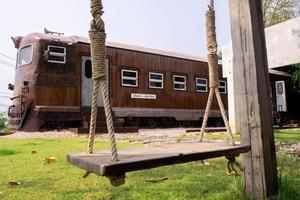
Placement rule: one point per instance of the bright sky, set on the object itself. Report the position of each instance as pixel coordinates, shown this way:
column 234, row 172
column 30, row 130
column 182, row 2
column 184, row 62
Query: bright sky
column 172, row 25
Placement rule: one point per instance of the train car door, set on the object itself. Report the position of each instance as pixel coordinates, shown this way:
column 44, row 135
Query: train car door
column 280, row 96
column 87, row 83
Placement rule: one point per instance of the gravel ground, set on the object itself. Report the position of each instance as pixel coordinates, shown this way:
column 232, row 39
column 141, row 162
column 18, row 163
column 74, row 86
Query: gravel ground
column 46, row 134
column 144, row 135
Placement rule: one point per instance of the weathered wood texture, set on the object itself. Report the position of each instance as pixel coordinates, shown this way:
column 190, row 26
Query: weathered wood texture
column 253, row 102
column 167, row 97
column 147, row 157
column 43, row 83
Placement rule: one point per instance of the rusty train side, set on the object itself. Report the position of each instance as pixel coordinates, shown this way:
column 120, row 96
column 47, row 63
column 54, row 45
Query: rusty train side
column 53, row 85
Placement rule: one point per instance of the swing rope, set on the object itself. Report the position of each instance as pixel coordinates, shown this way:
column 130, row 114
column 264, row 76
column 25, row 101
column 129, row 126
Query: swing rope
column 212, row 48
column 97, row 36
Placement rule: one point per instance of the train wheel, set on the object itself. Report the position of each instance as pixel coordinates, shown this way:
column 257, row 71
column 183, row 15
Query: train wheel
column 133, row 121
column 151, row 122
column 168, row 122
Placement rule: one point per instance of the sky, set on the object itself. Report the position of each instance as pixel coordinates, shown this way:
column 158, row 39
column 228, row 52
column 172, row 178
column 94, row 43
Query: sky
column 172, row 25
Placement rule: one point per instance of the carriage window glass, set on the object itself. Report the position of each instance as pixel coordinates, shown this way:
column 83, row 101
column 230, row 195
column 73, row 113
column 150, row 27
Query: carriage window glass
column 222, row 87
column 179, row 83
column 129, row 78
column 156, row 80
column 56, row 54
column 88, row 69
column 25, row 55
column 201, row 85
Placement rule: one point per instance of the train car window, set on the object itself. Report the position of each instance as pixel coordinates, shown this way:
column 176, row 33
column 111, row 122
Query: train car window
column 222, row 87
column 25, row 55
column 179, row 83
column 201, row 85
column 57, row 54
column 88, row 69
column 156, row 80
column 129, row 78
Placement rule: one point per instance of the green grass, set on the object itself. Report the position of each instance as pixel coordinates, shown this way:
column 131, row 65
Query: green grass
column 60, row 180
column 289, row 177
column 7, row 152
column 283, row 136
column 287, row 136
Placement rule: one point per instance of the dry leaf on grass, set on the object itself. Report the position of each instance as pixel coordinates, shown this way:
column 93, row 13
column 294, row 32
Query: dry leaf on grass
column 14, row 183
column 49, row 160
column 204, row 162
column 233, row 173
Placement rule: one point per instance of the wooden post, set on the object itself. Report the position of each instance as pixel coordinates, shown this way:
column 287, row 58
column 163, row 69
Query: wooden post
column 253, row 101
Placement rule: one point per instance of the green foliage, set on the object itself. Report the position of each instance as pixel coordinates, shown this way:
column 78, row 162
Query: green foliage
column 219, row 55
column 6, row 131
column 3, row 121
column 296, row 75
column 276, row 11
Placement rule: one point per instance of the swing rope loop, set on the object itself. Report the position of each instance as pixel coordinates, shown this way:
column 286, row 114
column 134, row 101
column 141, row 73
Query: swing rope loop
column 98, row 54
column 212, row 48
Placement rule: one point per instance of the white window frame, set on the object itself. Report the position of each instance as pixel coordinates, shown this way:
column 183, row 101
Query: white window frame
column 136, row 79
column 201, row 84
column 57, row 54
column 19, row 55
column 180, row 83
column 223, row 87
column 156, row 80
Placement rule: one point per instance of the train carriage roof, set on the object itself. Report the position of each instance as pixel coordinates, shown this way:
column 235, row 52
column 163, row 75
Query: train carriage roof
column 78, row 39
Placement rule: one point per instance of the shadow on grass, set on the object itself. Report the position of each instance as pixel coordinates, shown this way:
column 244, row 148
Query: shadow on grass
column 7, row 152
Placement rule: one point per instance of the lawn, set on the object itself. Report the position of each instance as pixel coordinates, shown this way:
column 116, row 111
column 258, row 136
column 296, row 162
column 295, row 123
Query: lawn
column 60, row 180
column 281, row 136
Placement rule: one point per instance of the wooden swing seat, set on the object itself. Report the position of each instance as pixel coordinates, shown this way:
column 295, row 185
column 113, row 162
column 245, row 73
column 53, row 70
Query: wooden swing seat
column 151, row 156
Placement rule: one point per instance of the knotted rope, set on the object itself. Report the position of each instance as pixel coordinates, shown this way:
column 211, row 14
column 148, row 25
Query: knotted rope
column 212, row 57
column 98, row 54
column 212, row 47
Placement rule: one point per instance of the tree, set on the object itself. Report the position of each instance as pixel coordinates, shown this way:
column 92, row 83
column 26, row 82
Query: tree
column 219, row 55
column 296, row 76
column 3, row 121
column 276, row 11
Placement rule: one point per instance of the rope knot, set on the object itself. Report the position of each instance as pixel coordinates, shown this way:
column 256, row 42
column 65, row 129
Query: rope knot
column 97, row 11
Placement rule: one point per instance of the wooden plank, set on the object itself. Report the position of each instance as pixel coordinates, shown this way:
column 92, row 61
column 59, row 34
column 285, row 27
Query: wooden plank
column 152, row 156
column 253, row 102
column 144, row 63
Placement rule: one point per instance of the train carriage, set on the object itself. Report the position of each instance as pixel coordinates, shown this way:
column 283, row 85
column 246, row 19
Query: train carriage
column 53, row 85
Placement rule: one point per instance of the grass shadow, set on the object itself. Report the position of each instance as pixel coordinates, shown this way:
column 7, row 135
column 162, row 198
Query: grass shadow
column 7, row 152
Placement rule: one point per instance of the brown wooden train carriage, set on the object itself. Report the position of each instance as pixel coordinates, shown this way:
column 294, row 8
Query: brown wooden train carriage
column 53, row 88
